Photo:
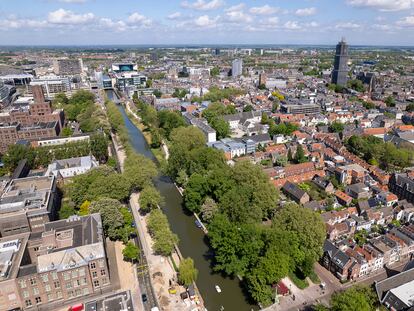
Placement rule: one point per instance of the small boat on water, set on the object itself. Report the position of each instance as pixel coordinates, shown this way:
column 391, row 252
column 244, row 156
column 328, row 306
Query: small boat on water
column 218, row 289
column 198, row 224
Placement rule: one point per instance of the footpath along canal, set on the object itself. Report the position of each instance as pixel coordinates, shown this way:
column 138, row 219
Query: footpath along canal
column 192, row 240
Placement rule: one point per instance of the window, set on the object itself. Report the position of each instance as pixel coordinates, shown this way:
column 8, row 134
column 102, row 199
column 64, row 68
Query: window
column 74, row 274
column 86, row 291
column 54, row 276
column 47, row 288
column 83, row 281
column 56, row 284
column 50, row 297
column 105, row 281
column 76, row 283
column 28, row 303
column 93, row 265
column 101, row 263
column 36, row 248
column 35, row 291
column 58, row 294
column 45, row 278
column 103, row 272
column 78, row 292
column 22, row 283
column 38, row 300
column 82, row 272
column 70, row 294
column 96, row 283
column 94, row 274
column 26, row 294
column 68, row 285
column 66, row 276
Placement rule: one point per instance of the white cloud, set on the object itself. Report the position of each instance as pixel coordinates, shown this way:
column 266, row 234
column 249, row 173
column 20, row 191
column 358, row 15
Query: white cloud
column 272, row 21
column 138, row 19
column 66, row 17
column 264, row 10
column 205, row 21
column 238, row 17
column 237, row 7
column 114, row 25
column 383, row 5
column 292, row 25
column 12, row 22
column 305, row 12
column 203, row 5
column 407, row 21
column 175, row 15
column 347, row 25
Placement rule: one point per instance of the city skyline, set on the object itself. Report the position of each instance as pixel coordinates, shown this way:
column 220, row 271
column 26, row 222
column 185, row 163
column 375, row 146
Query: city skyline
column 313, row 22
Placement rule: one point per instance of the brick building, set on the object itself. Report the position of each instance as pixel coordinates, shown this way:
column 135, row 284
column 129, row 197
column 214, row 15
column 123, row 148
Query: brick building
column 65, row 261
column 36, row 120
column 27, row 204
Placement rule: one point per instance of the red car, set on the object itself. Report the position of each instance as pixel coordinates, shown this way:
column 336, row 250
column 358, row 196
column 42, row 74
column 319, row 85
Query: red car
column 78, row 307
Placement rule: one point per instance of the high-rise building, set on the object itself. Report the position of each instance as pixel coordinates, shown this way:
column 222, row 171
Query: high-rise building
column 237, row 68
column 340, row 72
column 216, row 52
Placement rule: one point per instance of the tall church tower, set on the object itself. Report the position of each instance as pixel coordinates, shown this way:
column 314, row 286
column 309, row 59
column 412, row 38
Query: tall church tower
column 340, row 72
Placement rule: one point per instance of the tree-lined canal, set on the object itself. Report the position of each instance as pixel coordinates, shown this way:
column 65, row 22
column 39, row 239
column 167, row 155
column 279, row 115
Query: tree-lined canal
column 192, row 240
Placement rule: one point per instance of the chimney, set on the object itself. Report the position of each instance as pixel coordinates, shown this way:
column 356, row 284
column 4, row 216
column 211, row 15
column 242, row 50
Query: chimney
column 38, row 95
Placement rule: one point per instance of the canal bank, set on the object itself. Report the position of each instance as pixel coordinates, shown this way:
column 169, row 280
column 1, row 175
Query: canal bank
column 193, row 242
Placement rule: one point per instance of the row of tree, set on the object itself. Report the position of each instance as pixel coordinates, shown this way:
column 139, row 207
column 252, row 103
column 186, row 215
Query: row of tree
column 81, row 107
column 377, row 152
column 44, row 155
column 138, row 175
column 236, row 202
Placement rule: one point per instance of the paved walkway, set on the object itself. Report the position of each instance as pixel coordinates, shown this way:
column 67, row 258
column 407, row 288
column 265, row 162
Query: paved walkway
column 161, row 268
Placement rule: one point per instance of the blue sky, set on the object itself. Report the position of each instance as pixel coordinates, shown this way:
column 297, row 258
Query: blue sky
column 362, row 22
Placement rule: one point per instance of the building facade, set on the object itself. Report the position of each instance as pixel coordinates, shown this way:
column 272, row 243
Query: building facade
column 340, row 72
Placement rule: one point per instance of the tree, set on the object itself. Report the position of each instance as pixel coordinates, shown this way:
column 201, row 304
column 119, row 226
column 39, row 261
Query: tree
column 169, row 120
column 390, row 101
column 275, row 107
column 84, row 208
column 160, row 230
column 187, row 273
column 149, row 198
column 183, row 141
column 66, row 132
column 309, row 229
column 300, row 155
column 356, row 85
column 360, row 297
column 215, row 71
column 265, row 118
column 248, row 108
column 99, row 147
column 112, row 220
column 60, row 100
column 410, row 107
column 157, row 93
column 194, row 192
column 221, row 126
column 66, row 211
column 131, row 252
column 336, row 127
column 208, row 209
column 139, row 171
column 18, row 152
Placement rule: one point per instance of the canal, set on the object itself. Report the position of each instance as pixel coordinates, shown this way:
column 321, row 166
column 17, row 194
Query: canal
column 192, row 240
